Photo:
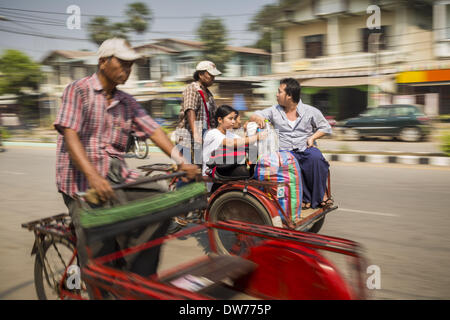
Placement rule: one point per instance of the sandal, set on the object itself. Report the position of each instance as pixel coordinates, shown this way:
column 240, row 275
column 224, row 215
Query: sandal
column 306, row 206
column 182, row 222
column 328, row 202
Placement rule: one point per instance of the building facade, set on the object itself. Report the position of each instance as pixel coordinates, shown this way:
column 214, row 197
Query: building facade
column 349, row 55
column 158, row 79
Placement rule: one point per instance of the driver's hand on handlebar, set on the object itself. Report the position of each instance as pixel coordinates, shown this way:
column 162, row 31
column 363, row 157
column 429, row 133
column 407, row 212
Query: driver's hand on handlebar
column 191, row 171
column 101, row 187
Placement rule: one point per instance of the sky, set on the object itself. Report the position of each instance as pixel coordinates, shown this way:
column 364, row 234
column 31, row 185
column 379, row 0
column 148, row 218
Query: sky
column 171, row 19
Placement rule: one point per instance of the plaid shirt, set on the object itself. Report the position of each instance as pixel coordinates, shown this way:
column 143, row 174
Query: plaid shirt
column 103, row 131
column 192, row 100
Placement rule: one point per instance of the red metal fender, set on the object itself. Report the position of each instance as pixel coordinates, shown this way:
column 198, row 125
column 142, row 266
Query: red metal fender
column 293, row 272
column 255, row 192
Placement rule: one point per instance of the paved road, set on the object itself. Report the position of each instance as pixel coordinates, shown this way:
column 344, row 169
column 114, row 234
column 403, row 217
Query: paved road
column 398, row 213
column 376, row 145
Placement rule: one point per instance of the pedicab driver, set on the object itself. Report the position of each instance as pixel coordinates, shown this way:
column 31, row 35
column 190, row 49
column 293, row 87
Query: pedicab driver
column 94, row 122
column 299, row 126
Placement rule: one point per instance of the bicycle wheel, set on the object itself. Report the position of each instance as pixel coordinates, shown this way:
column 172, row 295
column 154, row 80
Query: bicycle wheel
column 235, row 205
column 315, row 228
column 48, row 273
column 140, row 148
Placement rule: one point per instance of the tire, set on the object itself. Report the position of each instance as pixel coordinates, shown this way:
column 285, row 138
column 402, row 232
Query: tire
column 315, row 228
column 236, row 205
column 57, row 253
column 410, row 134
column 352, row 134
column 140, row 148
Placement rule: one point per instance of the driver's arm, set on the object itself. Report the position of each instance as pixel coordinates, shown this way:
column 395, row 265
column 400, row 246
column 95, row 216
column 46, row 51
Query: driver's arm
column 160, row 138
column 260, row 116
column 78, row 155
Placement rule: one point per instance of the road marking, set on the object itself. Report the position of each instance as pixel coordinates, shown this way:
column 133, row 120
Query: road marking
column 389, row 165
column 12, row 172
column 370, row 212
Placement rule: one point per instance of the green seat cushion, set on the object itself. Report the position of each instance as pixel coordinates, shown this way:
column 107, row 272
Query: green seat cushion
column 104, row 216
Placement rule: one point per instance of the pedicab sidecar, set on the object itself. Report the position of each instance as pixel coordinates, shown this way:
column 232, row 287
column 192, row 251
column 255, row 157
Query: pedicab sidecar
column 267, row 262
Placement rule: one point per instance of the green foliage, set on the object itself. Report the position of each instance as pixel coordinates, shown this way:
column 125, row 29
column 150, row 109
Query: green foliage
column 264, row 20
column 445, row 143
column 5, row 134
column 138, row 18
column 213, row 34
column 99, row 30
column 265, row 42
column 18, row 72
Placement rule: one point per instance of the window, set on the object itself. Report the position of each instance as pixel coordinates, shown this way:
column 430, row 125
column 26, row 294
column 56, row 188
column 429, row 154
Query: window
column 369, row 37
column 404, row 111
column 420, row 99
column 378, row 112
column 143, row 69
column 313, row 46
column 447, row 18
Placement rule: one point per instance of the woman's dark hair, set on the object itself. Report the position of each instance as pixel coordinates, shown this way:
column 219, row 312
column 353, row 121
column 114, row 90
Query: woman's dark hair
column 223, row 111
column 292, row 88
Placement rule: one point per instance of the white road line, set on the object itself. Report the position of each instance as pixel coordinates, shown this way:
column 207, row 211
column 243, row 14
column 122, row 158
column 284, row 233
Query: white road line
column 370, row 212
column 11, row 172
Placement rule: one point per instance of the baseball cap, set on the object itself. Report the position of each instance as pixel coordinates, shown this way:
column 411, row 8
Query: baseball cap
column 119, row 48
column 208, row 66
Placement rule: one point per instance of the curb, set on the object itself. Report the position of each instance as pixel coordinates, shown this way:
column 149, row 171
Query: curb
column 418, row 159
column 52, row 145
column 399, row 159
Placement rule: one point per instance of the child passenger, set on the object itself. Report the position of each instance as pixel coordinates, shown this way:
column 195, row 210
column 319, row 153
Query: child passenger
column 223, row 135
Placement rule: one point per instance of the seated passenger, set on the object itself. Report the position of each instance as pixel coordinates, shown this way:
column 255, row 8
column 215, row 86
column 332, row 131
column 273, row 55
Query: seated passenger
column 299, row 125
column 223, row 136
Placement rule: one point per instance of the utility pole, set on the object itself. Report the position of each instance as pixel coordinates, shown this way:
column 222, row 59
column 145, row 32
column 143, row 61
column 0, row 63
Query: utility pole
column 374, row 47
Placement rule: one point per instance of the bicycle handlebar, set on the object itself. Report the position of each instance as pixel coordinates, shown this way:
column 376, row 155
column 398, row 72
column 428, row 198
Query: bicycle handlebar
column 91, row 196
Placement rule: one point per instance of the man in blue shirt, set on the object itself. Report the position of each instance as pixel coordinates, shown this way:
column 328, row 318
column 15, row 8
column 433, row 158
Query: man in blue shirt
column 299, row 126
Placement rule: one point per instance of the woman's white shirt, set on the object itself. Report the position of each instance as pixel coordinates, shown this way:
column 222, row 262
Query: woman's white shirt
column 212, row 141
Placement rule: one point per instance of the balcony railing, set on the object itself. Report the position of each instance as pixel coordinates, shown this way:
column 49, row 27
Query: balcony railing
column 359, row 60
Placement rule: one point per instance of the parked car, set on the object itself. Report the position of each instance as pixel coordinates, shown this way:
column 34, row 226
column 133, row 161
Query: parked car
column 406, row 122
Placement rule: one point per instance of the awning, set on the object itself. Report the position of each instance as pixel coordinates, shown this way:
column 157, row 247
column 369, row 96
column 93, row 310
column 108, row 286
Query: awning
column 385, row 82
column 337, row 82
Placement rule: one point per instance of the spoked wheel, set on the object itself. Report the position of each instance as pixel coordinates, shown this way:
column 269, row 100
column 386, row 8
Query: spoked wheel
column 315, row 227
column 140, row 148
column 57, row 255
column 238, row 206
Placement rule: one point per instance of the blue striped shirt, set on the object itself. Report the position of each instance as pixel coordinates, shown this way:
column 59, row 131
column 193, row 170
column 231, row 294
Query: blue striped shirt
column 309, row 120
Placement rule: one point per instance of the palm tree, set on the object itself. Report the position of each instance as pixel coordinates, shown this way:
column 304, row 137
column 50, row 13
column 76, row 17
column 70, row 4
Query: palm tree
column 138, row 18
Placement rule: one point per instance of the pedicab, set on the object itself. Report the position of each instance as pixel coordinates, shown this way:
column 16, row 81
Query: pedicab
column 269, row 263
column 248, row 200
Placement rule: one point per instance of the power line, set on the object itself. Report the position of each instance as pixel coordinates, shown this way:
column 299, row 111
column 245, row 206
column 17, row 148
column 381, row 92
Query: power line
column 30, row 17
column 43, row 35
column 110, row 16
